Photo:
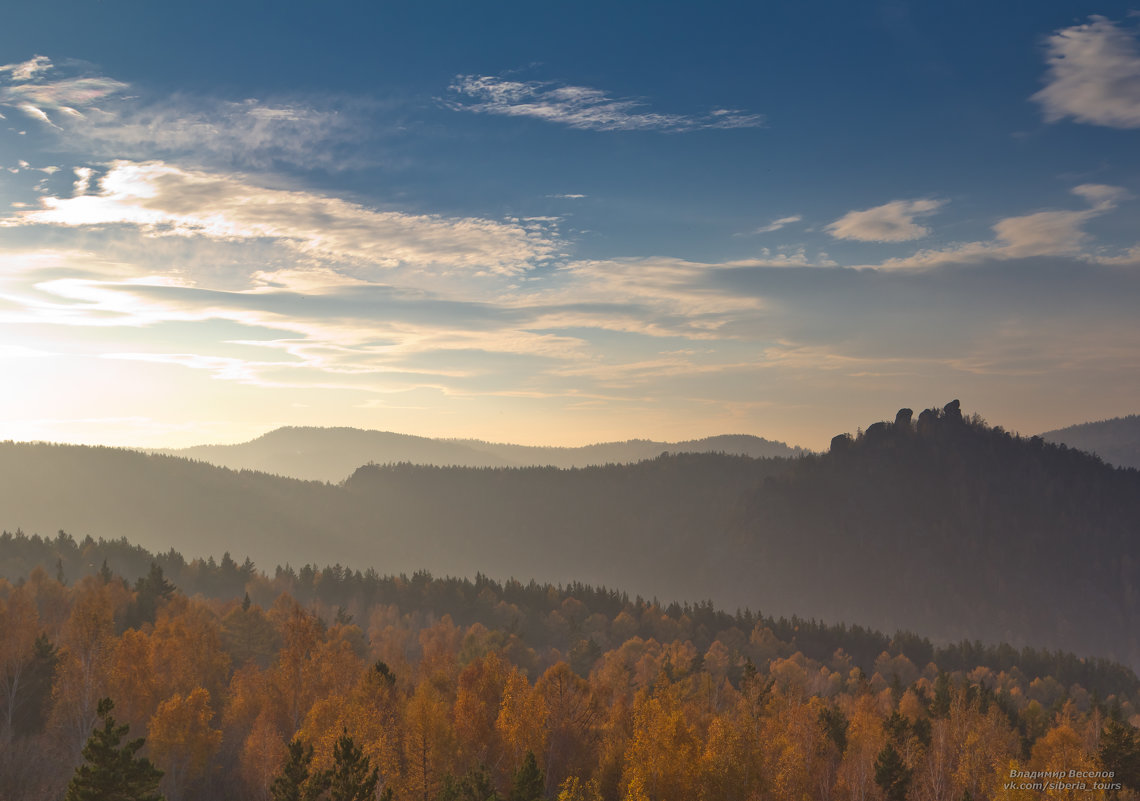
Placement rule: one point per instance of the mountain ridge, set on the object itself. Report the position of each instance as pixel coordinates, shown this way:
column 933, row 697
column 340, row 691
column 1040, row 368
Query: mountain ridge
column 940, row 524
column 332, row 453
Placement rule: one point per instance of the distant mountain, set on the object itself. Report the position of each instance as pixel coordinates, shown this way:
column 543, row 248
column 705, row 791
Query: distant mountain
column 1117, row 441
column 332, row 454
column 939, row 525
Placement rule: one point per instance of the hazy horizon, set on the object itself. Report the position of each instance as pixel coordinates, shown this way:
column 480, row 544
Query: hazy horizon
column 188, row 442
column 582, row 444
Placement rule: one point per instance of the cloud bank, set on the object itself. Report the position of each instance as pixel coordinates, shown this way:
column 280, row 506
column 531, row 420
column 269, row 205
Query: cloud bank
column 166, row 200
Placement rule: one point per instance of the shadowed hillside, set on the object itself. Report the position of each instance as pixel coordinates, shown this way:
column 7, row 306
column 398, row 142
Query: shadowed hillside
column 939, row 524
column 1117, row 441
column 963, row 527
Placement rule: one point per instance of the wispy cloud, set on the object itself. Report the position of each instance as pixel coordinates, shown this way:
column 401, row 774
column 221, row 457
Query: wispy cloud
column 30, row 88
column 165, row 200
column 108, row 118
column 1093, row 75
column 776, row 225
column 581, row 107
column 1042, row 233
column 251, row 132
column 27, row 70
column 891, row 222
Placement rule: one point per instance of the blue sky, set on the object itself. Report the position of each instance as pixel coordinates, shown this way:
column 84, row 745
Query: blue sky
column 562, row 223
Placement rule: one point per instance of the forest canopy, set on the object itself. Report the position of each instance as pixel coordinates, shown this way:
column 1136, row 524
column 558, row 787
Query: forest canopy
column 449, row 686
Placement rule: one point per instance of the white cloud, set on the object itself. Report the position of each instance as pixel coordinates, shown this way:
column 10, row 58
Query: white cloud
column 63, row 94
column 36, row 114
column 776, row 225
column 82, row 180
column 26, row 87
column 657, row 297
column 250, row 132
column 27, row 70
column 1101, row 196
column 165, row 200
column 1042, row 233
column 1054, row 233
column 581, row 107
column 94, row 113
column 1093, row 75
column 891, row 222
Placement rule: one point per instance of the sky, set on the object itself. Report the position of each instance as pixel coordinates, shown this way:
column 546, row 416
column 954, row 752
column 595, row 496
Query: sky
column 563, row 223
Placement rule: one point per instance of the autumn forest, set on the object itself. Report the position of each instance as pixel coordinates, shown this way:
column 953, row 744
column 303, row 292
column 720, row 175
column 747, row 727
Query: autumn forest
column 454, row 689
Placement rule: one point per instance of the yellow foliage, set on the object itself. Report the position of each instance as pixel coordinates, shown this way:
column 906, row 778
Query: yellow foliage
column 182, row 742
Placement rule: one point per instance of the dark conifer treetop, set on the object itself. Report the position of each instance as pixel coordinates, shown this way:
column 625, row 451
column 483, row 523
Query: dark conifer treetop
column 111, row 769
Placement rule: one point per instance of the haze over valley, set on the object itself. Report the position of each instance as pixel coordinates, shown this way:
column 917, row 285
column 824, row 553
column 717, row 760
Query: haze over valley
column 936, row 524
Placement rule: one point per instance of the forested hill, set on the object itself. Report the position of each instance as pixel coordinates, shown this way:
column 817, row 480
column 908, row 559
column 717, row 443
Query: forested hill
column 162, row 502
column 332, row 454
column 962, row 527
column 634, row 450
column 1117, row 441
column 940, row 525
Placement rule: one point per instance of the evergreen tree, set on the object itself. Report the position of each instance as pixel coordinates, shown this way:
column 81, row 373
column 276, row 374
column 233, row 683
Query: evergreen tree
column 150, row 592
column 891, row 774
column 296, row 782
column 529, row 783
column 940, row 705
column 834, row 722
column 30, row 715
column 1119, row 752
column 110, row 771
column 477, row 785
column 352, row 777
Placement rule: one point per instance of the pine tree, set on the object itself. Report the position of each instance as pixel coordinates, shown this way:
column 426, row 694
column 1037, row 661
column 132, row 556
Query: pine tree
column 30, row 716
column 1120, row 753
column 296, row 782
column 891, row 774
column 940, row 705
column 150, row 593
column 529, row 782
column 112, row 772
column 352, row 777
column 477, row 785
